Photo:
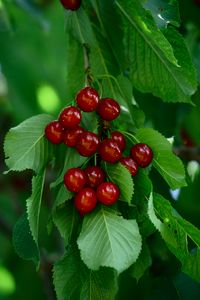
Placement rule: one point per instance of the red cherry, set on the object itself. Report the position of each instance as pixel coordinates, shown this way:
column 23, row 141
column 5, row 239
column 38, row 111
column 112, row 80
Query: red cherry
column 110, row 151
column 95, row 176
column 142, row 154
column 88, row 143
column 54, row 132
column 87, row 99
column 71, row 4
column 119, row 138
column 71, row 136
column 130, row 164
column 108, row 193
column 85, row 201
column 70, row 117
column 74, row 179
column 108, row 109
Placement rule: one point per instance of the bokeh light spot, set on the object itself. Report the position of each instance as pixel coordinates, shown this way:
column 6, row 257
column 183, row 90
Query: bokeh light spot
column 48, row 99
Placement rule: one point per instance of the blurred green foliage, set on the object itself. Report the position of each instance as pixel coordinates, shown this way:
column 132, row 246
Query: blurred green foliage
column 33, row 80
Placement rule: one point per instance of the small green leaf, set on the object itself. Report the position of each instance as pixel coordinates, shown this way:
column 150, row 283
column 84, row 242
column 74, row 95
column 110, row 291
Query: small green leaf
column 166, row 163
column 177, row 233
column 120, row 175
column 66, row 220
column 34, row 204
column 73, row 280
column 72, row 160
column 143, row 262
column 23, row 241
column 63, row 195
column 25, row 145
column 109, row 240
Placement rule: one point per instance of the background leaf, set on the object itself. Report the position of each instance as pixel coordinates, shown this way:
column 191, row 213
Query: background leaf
column 163, row 77
column 107, row 239
column 179, row 235
column 25, row 145
column 73, row 280
column 23, row 241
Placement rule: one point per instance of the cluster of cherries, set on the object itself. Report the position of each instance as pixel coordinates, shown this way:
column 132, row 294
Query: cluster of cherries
column 89, row 184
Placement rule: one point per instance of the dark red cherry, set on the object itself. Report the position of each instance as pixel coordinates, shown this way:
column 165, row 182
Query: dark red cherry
column 87, row 99
column 110, row 151
column 85, row 201
column 119, row 138
column 108, row 109
column 142, row 154
column 74, row 179
column 54, row 132
column 95, row 176
column 88, row 143
column 130, row 164
column 70, row 117
column 71, row 136
column 108, row 193
column 71, row 4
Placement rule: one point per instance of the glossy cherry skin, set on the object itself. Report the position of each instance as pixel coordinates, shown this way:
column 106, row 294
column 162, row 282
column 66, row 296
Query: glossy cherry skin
column 130, row 164
column 108, row 109
column 71, row 136
column 110, row 151
column 74, row 179
column 142, row 154
column 70, row 117
column 108, row 193
column 71, row 4
column 85, row 201
column 119, row 138
column 95, row 176
column 54, row 132
column 88, row 143
column 87, row 99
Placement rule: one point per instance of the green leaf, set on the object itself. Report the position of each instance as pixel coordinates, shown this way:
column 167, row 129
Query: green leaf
column 63, row 195
column 66, row 220
column 165, row 12
column 107, row 239
column 120, row 175
column 73, row 280
column 23, row 241
column 177, row 233
column 99, row 285
column 143, row 262
column 72, row 160
column 167, row 164
column 153, row 61
column 25, row 145
column 34, row 204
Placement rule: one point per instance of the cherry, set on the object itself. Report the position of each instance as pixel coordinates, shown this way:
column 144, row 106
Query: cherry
column 74, row 179
column 110, row 151
column 119, row 138
column 95, row 176
column 85, row 201
column 88, row 143
column 108, row 109
column 54, row 132
column 71, row 136
column 108, row 193
column 130, row 164
column 142, row 154
column 70, row 117
column 71, row 4
column 87, row 99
